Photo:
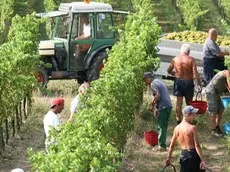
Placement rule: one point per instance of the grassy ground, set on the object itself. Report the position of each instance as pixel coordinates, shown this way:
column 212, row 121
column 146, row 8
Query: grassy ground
column 139, row 156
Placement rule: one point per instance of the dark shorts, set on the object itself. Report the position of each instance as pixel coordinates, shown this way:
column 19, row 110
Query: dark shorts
column 210, row 65
column 190, row 161
column 183, row 88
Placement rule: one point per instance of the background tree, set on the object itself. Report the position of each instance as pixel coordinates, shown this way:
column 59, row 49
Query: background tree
column 224, row 9
column 192, row 12
column 51, row 5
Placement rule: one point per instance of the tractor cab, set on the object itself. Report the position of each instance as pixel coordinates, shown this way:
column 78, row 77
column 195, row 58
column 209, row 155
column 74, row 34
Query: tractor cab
column 80, row 34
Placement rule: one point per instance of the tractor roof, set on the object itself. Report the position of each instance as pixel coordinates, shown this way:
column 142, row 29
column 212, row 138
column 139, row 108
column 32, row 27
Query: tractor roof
column 82, row 7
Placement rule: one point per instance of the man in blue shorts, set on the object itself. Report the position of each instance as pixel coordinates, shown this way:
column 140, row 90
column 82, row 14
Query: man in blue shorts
column 183, row 67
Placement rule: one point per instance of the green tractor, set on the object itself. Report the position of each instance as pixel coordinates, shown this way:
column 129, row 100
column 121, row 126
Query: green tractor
column 80, row 34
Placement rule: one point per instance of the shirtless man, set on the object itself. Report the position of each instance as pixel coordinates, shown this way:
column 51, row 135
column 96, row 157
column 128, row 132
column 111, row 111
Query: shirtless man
column 185, row 71
column 191, row 159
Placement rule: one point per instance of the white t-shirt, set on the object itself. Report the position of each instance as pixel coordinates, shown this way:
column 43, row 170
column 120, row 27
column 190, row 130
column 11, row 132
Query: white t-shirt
column 50, row 120
column 74, row 104
column 86, row 30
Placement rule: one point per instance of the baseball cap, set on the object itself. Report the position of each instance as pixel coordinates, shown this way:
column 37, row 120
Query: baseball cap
column 56, row 101
column 148, row 75
column 189, row 109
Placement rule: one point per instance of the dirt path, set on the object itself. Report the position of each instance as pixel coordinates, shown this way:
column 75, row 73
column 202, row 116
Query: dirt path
column 140, row 157
column 15, row 155
column 31, row 136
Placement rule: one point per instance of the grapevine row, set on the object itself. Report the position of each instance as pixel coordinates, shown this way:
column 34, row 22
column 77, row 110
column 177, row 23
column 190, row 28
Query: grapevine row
column 95, row 141
column 18, row 70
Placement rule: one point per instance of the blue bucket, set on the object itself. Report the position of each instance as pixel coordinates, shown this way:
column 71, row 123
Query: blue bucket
column 225, row 101
column 227, row 128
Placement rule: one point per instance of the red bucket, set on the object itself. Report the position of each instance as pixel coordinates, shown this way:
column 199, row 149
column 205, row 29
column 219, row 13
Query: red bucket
column 151, row 137
column 199, row 104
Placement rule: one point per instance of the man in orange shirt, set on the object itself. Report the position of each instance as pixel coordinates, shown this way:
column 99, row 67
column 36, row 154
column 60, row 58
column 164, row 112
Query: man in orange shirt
column 183, row 67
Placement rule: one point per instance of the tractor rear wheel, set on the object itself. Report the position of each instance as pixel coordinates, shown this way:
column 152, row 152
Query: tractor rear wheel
column 96, row 66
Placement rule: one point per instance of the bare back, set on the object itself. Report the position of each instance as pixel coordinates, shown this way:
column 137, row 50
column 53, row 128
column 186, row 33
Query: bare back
column 184, row 66
column 185, row 135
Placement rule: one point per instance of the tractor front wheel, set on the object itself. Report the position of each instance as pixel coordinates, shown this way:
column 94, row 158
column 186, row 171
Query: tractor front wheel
column 42, row 76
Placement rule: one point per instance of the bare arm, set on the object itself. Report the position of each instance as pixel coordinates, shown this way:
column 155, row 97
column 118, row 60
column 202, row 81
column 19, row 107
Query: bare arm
column 86, row 37
column 227, row 74
column 196, row 75
column 82, row 37
column 223, row 53
column 197, row 144
column 71, row 116
column 198, row 149
column 172, row 144
column 171, row 67
column 171, row 148
column 155, row 100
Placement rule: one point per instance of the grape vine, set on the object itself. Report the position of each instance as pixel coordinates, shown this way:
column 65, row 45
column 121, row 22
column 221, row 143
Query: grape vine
column 18, row 63
column 95, row 141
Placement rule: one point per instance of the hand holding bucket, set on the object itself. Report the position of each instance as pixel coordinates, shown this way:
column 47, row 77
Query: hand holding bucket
column 199, row 104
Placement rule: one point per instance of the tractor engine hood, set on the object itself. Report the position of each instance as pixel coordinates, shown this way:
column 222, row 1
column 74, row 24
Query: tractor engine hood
column 47, row 48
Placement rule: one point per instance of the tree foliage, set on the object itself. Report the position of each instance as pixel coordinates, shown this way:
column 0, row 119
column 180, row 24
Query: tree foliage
column 169, row 14
column 224, row 9
column 51, row 5
column 192, row 11
column 227, row 27
column 9, row 9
